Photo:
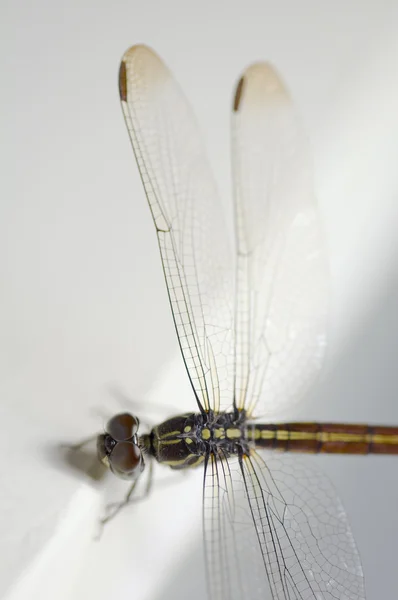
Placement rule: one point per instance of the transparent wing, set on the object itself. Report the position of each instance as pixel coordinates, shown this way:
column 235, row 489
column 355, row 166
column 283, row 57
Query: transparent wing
column 282, row 272
column 197, row 262
column 277, row 530
column 234, row 564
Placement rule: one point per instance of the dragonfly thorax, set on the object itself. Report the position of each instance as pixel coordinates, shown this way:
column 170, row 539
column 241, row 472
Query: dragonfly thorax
column 185, row 441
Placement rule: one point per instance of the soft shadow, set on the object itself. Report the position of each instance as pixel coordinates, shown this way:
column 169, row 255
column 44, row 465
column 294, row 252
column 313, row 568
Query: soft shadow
column 82, row 462
column 362, row 383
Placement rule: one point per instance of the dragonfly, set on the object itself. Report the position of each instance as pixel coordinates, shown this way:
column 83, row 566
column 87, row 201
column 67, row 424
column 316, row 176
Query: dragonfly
column 251, row 319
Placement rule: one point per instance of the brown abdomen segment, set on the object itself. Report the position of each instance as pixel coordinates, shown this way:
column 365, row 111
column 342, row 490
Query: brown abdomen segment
column 330, row 438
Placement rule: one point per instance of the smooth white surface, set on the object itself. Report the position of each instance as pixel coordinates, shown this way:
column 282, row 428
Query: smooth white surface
column 83, row 307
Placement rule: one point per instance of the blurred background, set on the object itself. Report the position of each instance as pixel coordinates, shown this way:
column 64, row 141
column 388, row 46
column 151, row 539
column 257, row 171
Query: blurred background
column 85, row 321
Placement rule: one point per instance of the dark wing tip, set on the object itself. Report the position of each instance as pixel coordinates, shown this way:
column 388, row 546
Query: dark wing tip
column 123, row 81
column 238, row 94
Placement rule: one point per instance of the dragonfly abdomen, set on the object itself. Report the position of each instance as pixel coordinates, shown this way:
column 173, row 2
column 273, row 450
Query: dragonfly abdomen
column 330, row 438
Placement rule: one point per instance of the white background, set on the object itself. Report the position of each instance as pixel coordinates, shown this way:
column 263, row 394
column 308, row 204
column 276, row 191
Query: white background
column 83, row 308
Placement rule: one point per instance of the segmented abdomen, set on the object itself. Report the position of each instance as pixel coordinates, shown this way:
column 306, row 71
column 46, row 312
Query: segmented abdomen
column 331, row 438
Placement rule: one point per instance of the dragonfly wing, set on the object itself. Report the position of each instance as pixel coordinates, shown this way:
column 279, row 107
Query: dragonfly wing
column 197, row 262
column 306, row 542
column 283, row 530
column 234, row 564
column 282, row 272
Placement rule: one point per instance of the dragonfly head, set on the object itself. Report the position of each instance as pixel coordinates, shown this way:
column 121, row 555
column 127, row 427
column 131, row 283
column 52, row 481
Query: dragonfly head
column 118, row 447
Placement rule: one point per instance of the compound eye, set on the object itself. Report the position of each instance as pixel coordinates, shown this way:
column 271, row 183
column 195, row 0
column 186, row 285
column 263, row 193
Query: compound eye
column 125, row 460
column 122, row 427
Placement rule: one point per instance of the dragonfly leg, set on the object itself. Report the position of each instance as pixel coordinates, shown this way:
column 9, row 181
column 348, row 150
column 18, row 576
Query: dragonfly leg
column 114, row 508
